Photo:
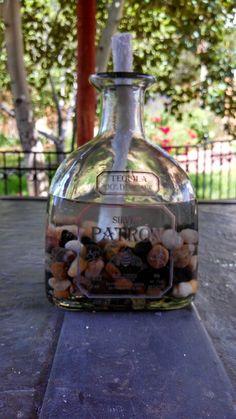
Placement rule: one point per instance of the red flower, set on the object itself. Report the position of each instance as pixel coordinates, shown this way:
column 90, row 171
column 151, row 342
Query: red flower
column 156, row 119
column 165, row 130
column 192, row 134
column 165, row 144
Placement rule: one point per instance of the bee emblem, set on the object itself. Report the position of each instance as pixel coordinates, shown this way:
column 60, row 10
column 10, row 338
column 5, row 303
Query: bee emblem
column 126, row 258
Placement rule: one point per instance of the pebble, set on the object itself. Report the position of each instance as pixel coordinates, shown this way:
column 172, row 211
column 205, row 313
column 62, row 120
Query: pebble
column 143, row 232
column 112, row 248
column 112, row 270
column 102, row 243
column 189, row 236
column 158, row 256
column 59, row 270
column 52, row 239
column 87, row 229
column 74, row 245
column 182, row 275
column 154, row 292
column 154, row 277
column 55, row 233
column 194, row 284
column 71, row 228
column 66, row 236
column 85, row 240
column 82, row 264
column 94, row 268
column 184, row 289
column 84, row 282
column 59, row 285
column 73, row 270
column 191, row 248
column 182, row 256
column 59, row 254
column 121, row 265
column 139, row 288
column 72, row 288
column 61, row 294
column 69, row 256
column 142, row 248
column 123, row 284
column 193, row 263
column 171, row 239
column 93, row 252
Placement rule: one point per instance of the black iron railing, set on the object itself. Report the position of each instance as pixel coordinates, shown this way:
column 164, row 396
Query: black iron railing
column 211, row 167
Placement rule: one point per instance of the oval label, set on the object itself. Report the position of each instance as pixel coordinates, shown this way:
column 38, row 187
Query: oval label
column 127, row 182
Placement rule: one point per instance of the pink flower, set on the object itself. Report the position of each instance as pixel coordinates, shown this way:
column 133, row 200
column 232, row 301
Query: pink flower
column 156, row 119
column 165, row 130
column 192, row 134
column 165, row 144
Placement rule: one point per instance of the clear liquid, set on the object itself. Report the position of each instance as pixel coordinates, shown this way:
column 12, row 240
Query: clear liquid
column 121, row 257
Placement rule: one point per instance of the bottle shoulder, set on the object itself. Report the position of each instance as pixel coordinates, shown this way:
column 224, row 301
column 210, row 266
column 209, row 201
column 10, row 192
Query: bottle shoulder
column 78, row 175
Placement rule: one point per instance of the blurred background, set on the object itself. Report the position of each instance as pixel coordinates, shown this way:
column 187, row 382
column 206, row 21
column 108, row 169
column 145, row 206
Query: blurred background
column 190, row 46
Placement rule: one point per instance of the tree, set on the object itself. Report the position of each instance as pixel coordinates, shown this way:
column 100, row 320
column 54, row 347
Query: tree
column 37, row 184
column 164, row 34
column 114, row 17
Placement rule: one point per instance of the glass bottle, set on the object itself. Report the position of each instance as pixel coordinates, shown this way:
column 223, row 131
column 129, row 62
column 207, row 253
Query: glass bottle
column 122, row 215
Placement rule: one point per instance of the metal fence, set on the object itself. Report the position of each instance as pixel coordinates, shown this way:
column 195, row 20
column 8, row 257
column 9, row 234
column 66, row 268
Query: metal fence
column 211, row 167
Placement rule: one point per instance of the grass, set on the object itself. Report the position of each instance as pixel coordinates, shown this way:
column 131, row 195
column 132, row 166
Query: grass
column 13, row 181
column 12, row 185
column 218, row 185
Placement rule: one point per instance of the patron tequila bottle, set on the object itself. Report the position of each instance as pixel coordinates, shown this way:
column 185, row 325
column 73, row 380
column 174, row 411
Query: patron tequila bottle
column 122, row 215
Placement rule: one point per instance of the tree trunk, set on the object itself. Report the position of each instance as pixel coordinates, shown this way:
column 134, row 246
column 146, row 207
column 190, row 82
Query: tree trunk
column 60, row 140
column 104, row 48
column 86, row 98
column 37, row 180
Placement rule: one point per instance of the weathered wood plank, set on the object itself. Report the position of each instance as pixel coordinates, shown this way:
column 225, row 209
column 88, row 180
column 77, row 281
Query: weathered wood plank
column 136, row 365
column 217, row 275
column 29, row 325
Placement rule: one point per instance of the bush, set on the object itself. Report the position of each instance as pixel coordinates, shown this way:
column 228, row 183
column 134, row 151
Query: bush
column 193, row 126
column 8, row 141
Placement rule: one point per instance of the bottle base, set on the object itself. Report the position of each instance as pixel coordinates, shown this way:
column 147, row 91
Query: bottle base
column 84, row 304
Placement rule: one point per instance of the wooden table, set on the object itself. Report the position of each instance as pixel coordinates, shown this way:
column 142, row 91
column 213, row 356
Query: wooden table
column 57, row 364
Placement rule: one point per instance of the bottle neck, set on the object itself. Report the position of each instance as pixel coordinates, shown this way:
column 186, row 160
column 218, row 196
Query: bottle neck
column 122, row 111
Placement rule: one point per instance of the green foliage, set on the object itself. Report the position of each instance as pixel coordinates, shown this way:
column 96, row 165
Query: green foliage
column 8, row 142
column 49, row 34
column 171, row 40
column 195, row 125
column 168, row 30
column 11, row 186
